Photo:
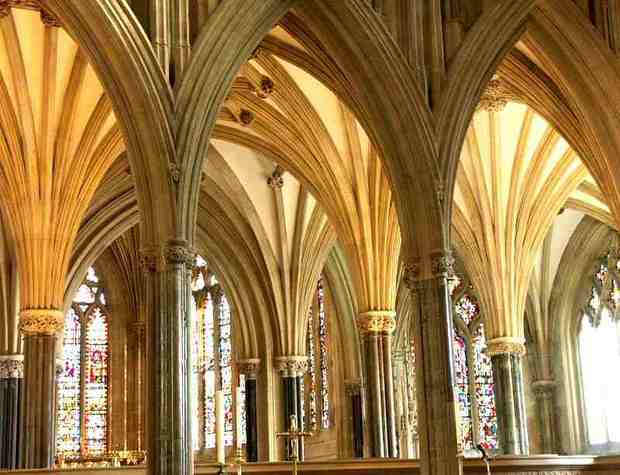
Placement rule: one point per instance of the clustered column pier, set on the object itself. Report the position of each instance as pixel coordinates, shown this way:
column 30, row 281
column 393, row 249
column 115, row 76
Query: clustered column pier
column 292, row 370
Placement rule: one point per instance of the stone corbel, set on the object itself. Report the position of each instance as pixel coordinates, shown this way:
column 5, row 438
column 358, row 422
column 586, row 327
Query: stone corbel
column 544, row 388
column 249, row 367
column 292, row 366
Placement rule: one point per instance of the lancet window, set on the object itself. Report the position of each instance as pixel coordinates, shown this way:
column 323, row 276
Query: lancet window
column 599, row 349
column 474, row 388
column 316, row 385
column 211, row 358
column 82, row 382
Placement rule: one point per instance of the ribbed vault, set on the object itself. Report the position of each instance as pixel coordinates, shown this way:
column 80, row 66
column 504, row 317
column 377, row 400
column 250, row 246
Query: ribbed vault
column 516, row 173
column 58, row 138
column 300, row 124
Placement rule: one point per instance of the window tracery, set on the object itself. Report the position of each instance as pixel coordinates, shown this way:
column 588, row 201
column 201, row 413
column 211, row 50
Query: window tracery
column 316, row 385
column 82, row 382
column 599, row 348
column 474, row 388
column 212, row 367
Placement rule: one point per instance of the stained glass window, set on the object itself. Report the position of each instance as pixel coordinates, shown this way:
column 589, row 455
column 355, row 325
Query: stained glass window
column 474, row 388
column 316, row 384
column 599, row 349
column 82, row 408
column 212, row 358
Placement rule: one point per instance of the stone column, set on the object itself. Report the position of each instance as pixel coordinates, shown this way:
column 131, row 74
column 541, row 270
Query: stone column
column 376, row 328
column 167, row 412
column 39, row 328
column 354, row 391
column 436, row 423
column 506, row 355
column 139, row 329
column 250, row 368
column 292, row 369
column 544, row 391
column 11, row 379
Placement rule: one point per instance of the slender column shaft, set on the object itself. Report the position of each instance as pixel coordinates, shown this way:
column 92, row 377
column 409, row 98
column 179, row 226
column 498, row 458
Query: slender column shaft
column 299, row 410
column 38, row 400
column 510, row 402
column 11, row 374
column 373, row 386
column 251, row 434
column 167, row 412
column 544, row 390
column 390, row 411
column 438, row 450
column 357, row 422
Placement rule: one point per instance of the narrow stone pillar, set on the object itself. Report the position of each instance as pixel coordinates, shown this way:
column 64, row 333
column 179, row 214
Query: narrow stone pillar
column 139, row 329
column 438, row 449
column 544, row 391
column 11, row 379
column 169, row 438
column 354, row 391
column 250, row 368
column 292, row 369
column 39, row 328
column 376, row 328
column 506, row 356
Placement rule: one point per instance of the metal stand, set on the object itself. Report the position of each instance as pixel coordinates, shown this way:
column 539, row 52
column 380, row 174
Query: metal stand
column 293, row 436
column 485, row 458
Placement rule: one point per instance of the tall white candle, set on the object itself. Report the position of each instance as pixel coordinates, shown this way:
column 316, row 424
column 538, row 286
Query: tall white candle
column 238, row 425
column 219, row 427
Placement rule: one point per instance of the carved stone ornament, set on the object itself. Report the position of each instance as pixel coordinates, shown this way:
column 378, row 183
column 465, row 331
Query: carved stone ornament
column 177, row 252
column 175, row 172
column 49, row 19
column 353, row 388
column 139, row 329
column 44, row 321
column 506, row 346
column 544, row 388
column 249, row 367
column 276, row 180
column 151, row 259
column 266, row 88
column 411, row 275
column 295, row 365
column 442, row 264
column 246, row 117
column 377, row 321
column 494, row 97
column 11, row 366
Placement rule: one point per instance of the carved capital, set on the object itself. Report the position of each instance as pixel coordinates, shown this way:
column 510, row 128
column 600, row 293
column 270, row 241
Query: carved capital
column 411, row 275
column 249, row 367
column 377, row 321
column 139, row 328
column 544, row 388
column 276, row 180
column 494, row 97
column 177, row 252
column 151, row 259
column 353, row 388
column 442, row 264
column 11, row 366
column 44, row 321
column 265, row 88
column 289, row 366
column 506, row 345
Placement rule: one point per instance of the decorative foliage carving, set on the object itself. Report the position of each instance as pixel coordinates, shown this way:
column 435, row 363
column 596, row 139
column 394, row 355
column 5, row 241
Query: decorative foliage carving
column 40, row 321
column 151, row 259
column 377, row 321
column 494, row 97
column 266, row 88
column 177, row 252
column 544, row 388
column 249, row 367
column 11, row 367
column 295, row 365
column 246, row 117
column 48, row 19
column 506, row 345
column 442, row 264
column 175, row 172
column 276, row 180
column 411, row 275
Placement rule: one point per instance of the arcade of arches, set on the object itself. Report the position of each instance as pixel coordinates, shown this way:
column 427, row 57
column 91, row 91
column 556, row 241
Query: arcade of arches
column 391, row 221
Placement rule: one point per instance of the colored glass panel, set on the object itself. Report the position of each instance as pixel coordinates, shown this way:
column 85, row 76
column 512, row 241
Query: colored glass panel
column 485, row 391
column 461, row 374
